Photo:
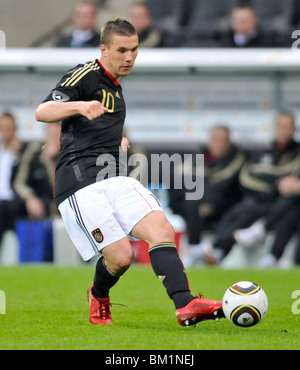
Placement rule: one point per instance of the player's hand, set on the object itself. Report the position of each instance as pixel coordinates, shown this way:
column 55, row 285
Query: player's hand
column 92, row 109
column 125, row 144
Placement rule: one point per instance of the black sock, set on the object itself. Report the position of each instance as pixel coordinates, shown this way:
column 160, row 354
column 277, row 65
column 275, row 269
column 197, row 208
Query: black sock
column 103, row 280
column 169, row 269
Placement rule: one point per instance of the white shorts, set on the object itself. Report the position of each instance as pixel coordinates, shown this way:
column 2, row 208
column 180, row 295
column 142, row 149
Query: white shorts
column 105, row 212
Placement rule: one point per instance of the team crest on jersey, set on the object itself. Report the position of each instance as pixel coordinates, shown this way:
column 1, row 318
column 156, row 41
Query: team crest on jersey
column 98, row 236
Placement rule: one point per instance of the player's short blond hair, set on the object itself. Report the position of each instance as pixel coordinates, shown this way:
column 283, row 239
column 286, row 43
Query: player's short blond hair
column 119, row 26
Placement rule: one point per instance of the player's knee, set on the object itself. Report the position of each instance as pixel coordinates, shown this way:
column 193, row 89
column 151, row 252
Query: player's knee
column 123, row 262
column 164, row 233
column 118, row 256
column 122, row 266
column 168, row 232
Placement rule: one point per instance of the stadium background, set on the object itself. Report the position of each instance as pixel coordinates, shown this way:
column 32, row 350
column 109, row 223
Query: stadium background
column 174, row 95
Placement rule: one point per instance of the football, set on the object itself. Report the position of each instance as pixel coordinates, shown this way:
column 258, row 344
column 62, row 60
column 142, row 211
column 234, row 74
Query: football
column 245, row 304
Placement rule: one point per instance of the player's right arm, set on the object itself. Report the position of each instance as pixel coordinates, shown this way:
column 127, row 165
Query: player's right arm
column 71, row 96
column 54, row 111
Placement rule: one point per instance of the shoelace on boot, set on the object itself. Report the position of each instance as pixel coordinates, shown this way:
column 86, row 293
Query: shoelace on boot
column 105, row 310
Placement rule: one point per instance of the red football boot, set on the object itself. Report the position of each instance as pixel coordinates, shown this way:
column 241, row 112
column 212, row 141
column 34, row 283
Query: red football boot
column 199, row 309
column 99, row 309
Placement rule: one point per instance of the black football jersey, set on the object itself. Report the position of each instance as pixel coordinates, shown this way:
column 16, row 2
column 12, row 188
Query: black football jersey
column 89, row 148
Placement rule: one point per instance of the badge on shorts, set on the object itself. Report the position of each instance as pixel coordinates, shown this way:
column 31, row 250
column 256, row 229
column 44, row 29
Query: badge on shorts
column 98, row 236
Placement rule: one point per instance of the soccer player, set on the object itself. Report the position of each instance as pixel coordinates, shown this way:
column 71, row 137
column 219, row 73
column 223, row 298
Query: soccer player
column 99, row 205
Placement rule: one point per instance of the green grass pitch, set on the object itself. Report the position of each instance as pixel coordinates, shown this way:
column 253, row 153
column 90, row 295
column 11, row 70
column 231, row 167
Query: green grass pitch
column 46, row 308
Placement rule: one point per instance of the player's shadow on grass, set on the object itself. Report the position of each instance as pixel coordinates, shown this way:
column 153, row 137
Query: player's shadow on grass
column 170, row 326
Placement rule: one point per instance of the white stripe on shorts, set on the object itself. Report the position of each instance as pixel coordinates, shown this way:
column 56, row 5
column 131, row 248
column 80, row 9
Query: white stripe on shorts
column 74, row 205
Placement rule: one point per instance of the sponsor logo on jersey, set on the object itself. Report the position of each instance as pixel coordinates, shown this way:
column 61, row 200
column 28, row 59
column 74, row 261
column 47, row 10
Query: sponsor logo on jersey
column 60, row 96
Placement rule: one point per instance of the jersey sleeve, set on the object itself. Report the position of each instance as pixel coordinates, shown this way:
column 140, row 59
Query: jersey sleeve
column 75, row 85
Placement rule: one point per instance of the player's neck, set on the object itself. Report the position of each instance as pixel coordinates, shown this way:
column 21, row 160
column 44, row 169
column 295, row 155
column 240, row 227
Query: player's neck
column 114, row 78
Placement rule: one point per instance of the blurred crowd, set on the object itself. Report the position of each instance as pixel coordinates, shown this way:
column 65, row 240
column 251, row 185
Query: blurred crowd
column 195, row 23
column 248, row 193
column 26, row 175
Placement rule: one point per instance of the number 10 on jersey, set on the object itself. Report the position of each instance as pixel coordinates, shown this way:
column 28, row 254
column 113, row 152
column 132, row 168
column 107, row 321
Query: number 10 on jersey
column 108, row 101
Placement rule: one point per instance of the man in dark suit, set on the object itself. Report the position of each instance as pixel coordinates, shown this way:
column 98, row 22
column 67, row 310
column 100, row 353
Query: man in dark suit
column 259, row 180
column 84, row 33
column 222, row 164
column 245, row 32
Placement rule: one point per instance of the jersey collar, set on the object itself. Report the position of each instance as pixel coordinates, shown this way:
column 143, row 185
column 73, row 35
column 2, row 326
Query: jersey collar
column 116, row 82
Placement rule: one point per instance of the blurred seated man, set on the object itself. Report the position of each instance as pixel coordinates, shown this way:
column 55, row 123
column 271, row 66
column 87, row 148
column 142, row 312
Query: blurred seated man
column 140, row 17
column 10, row 151
column 259, row 181
column 282, row 219
column 85, row 25
column 244, row 32
column 34, row 180
column 223, row 162
column 290, row 186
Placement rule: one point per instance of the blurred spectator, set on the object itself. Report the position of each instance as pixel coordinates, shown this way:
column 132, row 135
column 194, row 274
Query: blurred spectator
column 10, row 151
column 282, row 219
column 259, row 181
column 223, row 162
column 85, row 25
column 290, row 186
column 140, row 17
column 10, row 148
column 34, row 180
column 245, row 31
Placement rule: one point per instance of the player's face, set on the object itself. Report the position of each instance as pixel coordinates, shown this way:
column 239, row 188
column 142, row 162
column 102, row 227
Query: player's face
column 120, row 55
